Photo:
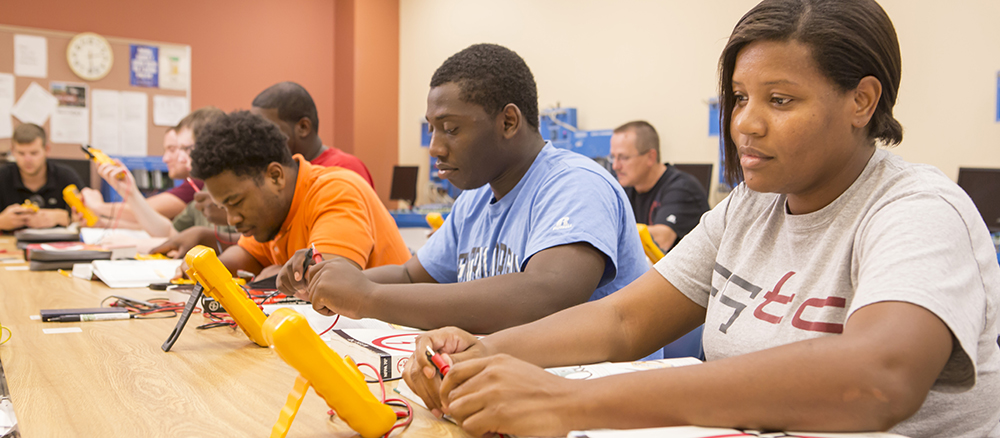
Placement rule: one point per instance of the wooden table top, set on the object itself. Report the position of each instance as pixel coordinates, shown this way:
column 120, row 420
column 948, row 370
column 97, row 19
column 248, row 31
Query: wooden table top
column 112, row 379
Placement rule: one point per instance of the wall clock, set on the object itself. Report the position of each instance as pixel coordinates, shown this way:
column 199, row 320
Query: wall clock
column 89, row 56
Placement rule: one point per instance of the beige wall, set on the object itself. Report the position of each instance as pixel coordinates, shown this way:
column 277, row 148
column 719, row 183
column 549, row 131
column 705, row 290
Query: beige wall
column 656, row 60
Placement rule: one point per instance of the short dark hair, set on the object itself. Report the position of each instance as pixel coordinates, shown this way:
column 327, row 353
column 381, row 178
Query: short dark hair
column 291, row 100
column 241, row 142
column 26, row 133
column 491, row 76
column 197, row 120
column 848, row 39
column 646, row 137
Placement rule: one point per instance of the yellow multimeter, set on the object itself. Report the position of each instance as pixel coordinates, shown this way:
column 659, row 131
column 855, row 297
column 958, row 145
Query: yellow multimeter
column 205, row 268
column 337, row 380
column 100, row 157
column 159, row 257
column 434, row 220
column 72, row 197
column 648, row 245
column 30, row 205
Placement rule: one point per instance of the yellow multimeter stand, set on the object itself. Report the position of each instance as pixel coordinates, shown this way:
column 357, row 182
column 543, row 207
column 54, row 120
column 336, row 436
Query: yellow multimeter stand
column 72, row 197
column 648, row 245
column 30, row 205
column 337, row 380
column 434, row 220
column 205, row 268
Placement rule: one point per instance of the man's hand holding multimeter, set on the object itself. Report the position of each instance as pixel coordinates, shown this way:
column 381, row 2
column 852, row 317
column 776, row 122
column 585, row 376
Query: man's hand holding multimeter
column 334, row 286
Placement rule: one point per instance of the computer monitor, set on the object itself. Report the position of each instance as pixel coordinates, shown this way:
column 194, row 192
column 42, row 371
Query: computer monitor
column 81, row 167
column 701, row 172
column 404, row 184
column 983, row 186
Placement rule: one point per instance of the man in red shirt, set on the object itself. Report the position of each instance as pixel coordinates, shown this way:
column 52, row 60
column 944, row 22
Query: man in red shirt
column 290, row 106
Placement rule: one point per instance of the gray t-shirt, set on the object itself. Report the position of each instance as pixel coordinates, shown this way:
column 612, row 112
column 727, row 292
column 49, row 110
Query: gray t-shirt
column 901, row 232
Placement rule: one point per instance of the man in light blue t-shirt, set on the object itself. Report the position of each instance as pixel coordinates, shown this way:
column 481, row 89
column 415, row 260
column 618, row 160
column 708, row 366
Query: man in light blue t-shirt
column 537, row 230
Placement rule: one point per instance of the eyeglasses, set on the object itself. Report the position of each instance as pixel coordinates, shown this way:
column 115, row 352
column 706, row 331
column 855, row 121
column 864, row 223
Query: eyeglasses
column 621, row 158
column 186, row 149
column 625, row 158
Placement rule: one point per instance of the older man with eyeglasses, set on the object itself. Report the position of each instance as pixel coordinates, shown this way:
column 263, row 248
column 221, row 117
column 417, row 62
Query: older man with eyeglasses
column 668, row 200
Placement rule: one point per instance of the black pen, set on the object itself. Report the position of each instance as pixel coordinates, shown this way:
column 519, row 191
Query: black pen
column 313, row 257
column 90, row 317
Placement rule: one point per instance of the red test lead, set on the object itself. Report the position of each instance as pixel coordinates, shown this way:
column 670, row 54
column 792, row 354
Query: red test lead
column 438, row 361
column 316, row 256
column 193, row 185
column 311, row 255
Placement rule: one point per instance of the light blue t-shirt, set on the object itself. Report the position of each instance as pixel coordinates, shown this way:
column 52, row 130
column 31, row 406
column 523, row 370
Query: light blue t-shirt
column 564, row 198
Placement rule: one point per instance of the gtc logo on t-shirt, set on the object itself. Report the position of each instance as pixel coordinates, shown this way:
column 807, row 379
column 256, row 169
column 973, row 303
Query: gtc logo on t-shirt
column 562, row 224
column 773, row 299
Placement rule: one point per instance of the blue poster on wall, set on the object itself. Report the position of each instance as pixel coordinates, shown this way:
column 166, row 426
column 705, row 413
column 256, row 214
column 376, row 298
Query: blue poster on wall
column 143, row 68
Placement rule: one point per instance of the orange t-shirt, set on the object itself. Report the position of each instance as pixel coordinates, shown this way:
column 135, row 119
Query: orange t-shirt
column 335, row 209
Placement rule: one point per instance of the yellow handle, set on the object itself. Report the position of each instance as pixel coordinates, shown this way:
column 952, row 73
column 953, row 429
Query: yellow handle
column 205, row 268
column 72, row 197
column 648, row 245
column 434, row 220
column 337, row 380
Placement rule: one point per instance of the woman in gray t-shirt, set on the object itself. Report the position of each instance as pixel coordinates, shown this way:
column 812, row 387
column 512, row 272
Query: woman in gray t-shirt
column 841, row 288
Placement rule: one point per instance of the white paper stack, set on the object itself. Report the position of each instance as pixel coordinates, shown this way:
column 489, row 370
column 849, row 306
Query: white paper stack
column 134, row 273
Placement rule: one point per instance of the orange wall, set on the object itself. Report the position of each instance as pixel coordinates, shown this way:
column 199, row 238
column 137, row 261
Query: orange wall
column 239, row 47
column 376, row 88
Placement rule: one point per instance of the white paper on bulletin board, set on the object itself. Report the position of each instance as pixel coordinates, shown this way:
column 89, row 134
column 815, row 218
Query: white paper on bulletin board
column 31, row 56
column 133, row 122
column 169, row 110
column 6, row 102
column 69, row 122
column 175, row 68
column 104, row 121
column 35, row 105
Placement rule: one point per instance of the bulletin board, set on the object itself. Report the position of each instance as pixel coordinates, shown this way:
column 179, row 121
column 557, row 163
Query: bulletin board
column 118, row 79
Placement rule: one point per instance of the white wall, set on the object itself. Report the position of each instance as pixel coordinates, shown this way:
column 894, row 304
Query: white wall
column 617, row 61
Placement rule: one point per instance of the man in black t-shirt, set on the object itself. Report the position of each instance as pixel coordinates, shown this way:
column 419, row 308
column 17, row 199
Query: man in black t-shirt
column 32, row 177
column 668, row 200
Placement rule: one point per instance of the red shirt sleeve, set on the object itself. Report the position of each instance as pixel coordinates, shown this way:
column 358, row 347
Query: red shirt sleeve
column 336, row 157
column 185, row 192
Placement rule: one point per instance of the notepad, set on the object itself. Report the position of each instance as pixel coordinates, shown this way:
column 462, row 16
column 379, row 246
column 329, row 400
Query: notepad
column 96, row 235
column 134, row 273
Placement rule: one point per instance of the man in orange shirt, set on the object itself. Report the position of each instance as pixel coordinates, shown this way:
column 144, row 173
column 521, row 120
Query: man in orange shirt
column 281, row 203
